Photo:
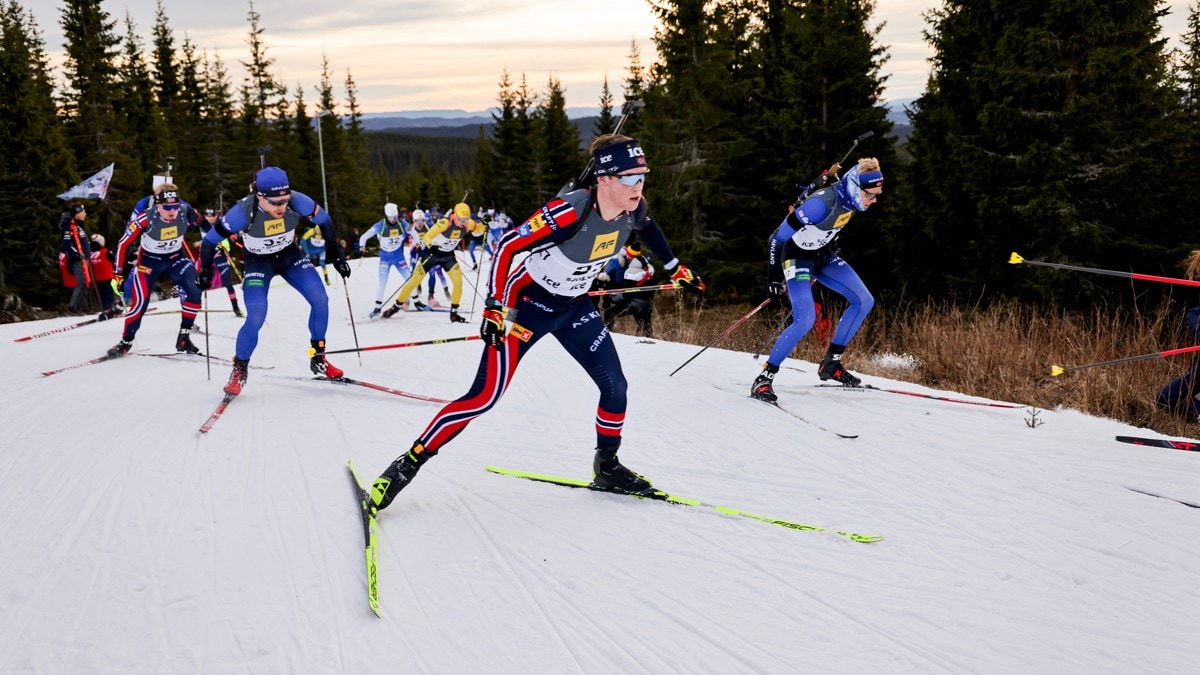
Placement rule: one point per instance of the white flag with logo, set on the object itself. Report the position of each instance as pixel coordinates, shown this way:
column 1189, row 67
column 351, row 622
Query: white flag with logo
column 93, row 188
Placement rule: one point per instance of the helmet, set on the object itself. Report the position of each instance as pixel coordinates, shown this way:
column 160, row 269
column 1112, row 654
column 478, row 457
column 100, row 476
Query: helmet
column 462, row 210
column 391, row 210
column 418, row 214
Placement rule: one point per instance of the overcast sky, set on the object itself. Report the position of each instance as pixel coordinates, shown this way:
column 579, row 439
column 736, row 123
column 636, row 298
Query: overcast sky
column 449, row 54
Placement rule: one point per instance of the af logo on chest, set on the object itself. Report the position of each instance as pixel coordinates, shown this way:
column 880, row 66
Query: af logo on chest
column 274, row 226
column 604, row 246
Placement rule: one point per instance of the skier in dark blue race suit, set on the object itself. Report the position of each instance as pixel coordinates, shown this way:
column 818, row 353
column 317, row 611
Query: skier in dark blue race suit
column 569, row 241
column 267, row 222
column 803, row 250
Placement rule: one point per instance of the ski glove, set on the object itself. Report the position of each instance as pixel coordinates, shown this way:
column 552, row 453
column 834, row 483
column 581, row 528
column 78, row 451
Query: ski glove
column 342, row 267
column 492, row 329
column 777, row 289
column 204, row 278
column 683, row 278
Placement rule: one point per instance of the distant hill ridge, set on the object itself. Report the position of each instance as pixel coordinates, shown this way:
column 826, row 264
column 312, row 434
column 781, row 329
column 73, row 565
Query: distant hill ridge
column 463, row 124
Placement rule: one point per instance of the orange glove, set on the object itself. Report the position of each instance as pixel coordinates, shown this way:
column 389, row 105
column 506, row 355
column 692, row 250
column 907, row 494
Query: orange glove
column 683, row 278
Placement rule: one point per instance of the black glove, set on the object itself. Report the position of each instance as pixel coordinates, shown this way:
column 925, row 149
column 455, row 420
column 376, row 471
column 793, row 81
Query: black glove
column 777, row 288
column 492, row 329
column 204, row 278
column 342, row 267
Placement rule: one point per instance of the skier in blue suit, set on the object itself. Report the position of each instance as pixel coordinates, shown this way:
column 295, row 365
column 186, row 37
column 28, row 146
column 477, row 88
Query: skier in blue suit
column 803, row 249
column 267, row 220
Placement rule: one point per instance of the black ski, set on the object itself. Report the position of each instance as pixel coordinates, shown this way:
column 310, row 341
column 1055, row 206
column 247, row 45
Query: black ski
column 100, row 359
column 1170, row 499
column 189, row 356
column 796, row 415
column 1161, row 443
column 806, row 420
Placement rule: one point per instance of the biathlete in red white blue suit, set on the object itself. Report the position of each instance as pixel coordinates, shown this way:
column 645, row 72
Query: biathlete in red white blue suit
column 160, row 229
column 569, row 241
column 267, row 221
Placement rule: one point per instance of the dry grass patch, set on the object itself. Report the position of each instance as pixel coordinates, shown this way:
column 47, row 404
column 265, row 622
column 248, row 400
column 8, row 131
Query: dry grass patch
column 1002, row 352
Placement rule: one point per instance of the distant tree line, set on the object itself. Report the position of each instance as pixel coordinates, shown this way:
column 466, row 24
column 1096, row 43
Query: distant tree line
column 1062, row 130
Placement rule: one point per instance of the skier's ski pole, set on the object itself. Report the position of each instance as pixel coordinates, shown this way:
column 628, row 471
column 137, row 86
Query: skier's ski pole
column 1055, row 371
column 207, row 353
column 353, row 327
column 720, row 337
column 635, row 289
column 400, row 345
column 1017, row 260
column 478, row 275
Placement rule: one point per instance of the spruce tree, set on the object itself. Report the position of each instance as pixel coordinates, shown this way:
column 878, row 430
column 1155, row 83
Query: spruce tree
column 260, row 94
column 149, row 141
column 507, row 143
column 37, row 163
column 691, row 130
column 218, row 146
column 557, row 143
column 95, row 132
column 606, row 121
column 1042, row 131
column 361, row 193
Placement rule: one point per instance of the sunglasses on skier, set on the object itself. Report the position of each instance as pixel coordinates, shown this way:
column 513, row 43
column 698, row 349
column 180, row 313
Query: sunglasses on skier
column 170, row 207
column 631, row 179
column 278, row 202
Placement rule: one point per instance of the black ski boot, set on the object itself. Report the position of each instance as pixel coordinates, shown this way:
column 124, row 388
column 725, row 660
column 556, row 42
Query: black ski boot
column 831, row 368
column 237, row 311
column 455, row 317
column 762, row 389
column 120, row 349
column 184, row 342
column 609, row 474
column 398, row 475
column 319, row 364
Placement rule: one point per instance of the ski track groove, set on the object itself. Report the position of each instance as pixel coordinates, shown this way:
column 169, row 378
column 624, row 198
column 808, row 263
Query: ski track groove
column 735, row 654
column 208, row 510
column 674, row 604
column 512, row 572
column 314, row 522
column 385, row 545
column 902, row 644
column 23, row 616
column 280, row 534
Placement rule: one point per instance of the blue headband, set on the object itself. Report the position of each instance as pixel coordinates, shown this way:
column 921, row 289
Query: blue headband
column 871, row 179
column 619, row 157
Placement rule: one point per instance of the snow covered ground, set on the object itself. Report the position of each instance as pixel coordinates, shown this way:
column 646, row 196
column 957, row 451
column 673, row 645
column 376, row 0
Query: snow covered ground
column 132, row 543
